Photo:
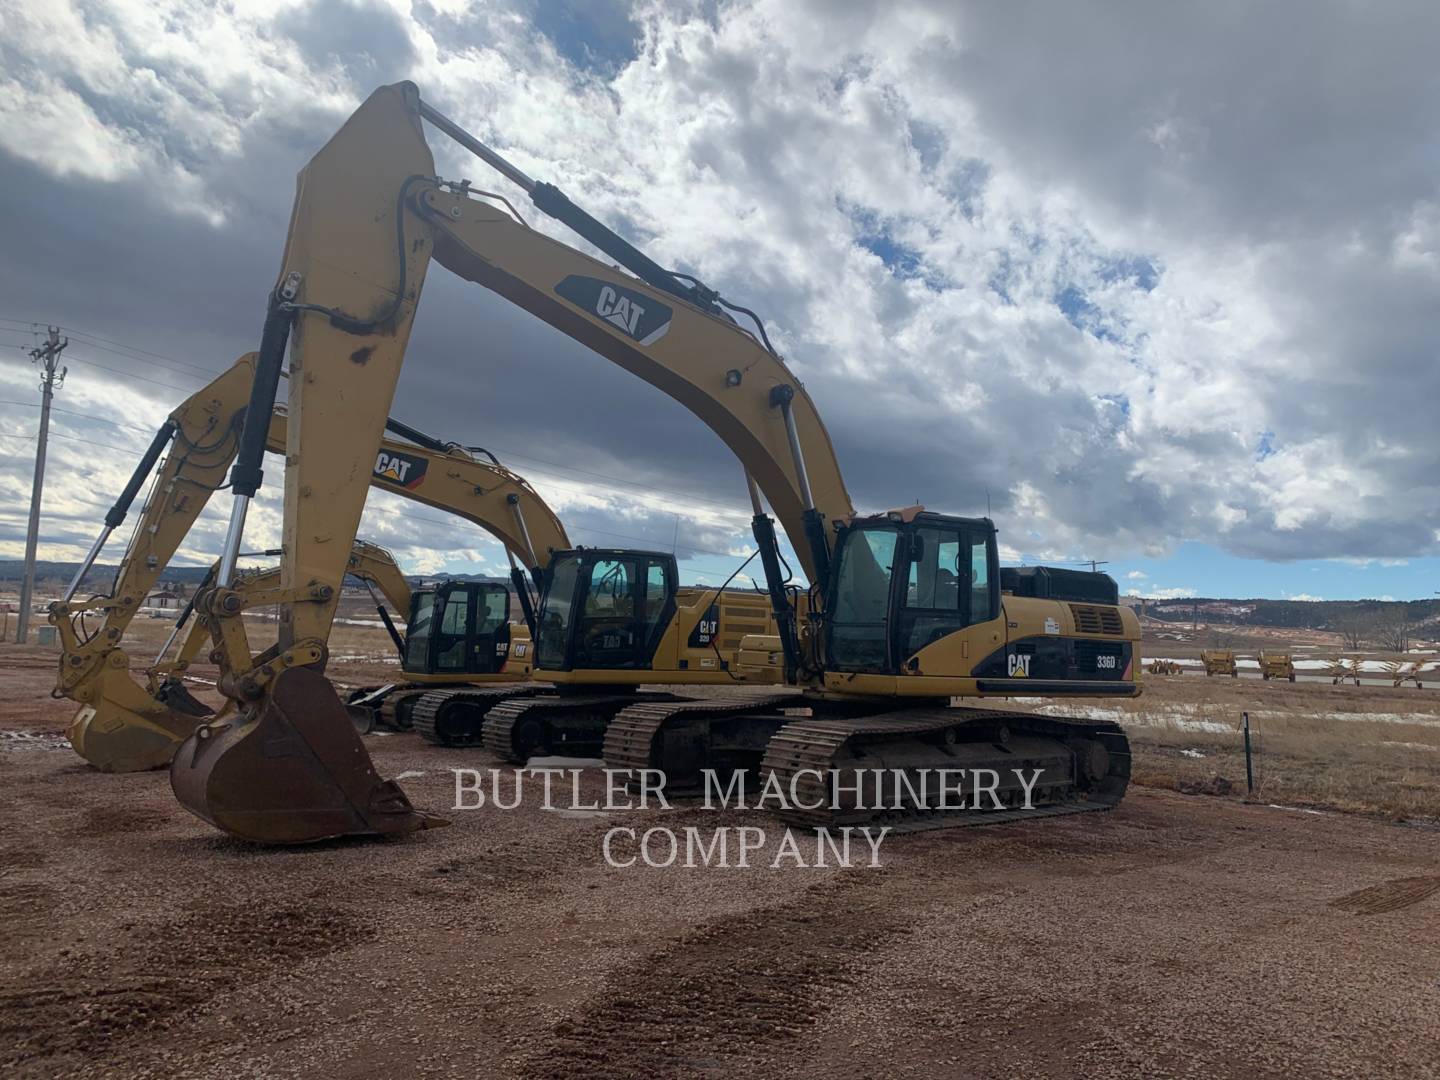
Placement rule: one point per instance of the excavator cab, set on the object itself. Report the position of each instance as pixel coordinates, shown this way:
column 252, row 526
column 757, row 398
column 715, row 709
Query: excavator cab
column 605, row 609
column 458, row 628
column 902, row 585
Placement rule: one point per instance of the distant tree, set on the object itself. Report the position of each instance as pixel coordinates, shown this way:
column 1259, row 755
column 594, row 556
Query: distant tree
column 1393, row 628
column 1218, row 637
column 1355, row 627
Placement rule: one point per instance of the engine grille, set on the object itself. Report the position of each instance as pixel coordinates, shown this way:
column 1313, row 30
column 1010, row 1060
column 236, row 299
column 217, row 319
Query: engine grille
column 1090, row 619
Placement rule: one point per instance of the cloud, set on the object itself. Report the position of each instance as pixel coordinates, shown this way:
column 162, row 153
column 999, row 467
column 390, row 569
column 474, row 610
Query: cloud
column 1127, row 280
column 1137, row 575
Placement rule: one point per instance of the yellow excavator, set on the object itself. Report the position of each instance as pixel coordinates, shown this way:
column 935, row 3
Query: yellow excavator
column 123, row 727
column 615, row 620
column 899, row 613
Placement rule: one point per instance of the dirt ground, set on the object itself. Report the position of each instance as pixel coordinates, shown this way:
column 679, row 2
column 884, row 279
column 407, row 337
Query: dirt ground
column 1176, row 936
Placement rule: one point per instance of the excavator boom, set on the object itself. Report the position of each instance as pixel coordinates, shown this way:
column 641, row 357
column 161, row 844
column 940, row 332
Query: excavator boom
column 122, row 727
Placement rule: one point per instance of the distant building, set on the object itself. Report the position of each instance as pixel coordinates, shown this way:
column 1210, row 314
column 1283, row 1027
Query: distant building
column 165, row 599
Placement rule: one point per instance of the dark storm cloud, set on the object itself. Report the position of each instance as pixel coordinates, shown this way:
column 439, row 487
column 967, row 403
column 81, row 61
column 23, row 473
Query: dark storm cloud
column 1073, row 262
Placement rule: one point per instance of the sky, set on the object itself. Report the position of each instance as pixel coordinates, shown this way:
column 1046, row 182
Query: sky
column 1155, row 284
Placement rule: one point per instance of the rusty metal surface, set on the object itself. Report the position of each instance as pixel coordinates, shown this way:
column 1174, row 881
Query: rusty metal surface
column 291, row 772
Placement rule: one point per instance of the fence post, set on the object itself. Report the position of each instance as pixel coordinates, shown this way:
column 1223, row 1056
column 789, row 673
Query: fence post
column 1249, row 769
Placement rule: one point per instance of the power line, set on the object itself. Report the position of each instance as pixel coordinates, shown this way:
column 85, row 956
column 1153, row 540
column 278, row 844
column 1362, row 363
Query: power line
column 689, row 500
column 70, row 438
column 170, row 369
column 92, row 442
column 100, row 341
column 81, row 415
column 139, row 378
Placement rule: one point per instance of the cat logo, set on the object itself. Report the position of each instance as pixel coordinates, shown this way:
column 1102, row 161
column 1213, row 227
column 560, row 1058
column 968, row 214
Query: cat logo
column 1019, row 665
column 400, row 469
column 706, row 629
column 620, row 310
column 633, row 313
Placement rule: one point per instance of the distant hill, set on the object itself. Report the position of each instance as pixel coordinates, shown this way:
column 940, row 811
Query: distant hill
column 1292, row 614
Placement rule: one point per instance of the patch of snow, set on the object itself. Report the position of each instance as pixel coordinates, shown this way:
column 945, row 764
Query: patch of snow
column 1212, row 726
column 1192, row 753
column 1411, row 745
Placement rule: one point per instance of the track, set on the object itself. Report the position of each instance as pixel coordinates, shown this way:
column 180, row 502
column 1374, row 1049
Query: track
column 806, row 752
column 456, row 717
column 553, row 723
column 645, row 736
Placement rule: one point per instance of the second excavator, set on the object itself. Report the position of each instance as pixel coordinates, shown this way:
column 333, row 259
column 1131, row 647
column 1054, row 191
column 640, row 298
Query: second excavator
column 122, row 727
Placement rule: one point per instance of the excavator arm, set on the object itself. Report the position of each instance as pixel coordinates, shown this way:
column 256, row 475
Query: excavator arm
column 121, row 727
column 202, row 435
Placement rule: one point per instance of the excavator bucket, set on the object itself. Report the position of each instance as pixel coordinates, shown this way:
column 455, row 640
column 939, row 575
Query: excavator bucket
column 124, row 729
column 292, row 771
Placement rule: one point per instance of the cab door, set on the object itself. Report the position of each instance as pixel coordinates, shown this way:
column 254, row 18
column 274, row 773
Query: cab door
column 949, row 586
column 490, row 636
column 469, row 628
column 627, row 600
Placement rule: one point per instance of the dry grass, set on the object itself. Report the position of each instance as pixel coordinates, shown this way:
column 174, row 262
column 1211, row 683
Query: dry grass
column 1355, row 749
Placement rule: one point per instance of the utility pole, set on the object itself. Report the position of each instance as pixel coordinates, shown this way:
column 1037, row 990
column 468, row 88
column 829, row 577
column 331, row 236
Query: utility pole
column 46, row 355
column 1094, row 564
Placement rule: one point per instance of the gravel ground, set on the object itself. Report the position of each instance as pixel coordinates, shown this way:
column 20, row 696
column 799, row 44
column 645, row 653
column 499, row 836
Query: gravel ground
column 1176, row 936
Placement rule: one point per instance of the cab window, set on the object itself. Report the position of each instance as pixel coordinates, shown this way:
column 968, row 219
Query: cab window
column 981, row 609
column 932, row 604
column 656, row 597
column 417, row 632
column 495, row 612
column 610, row 593
column 858, row 639
column 451, row 642
column 555, row 614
